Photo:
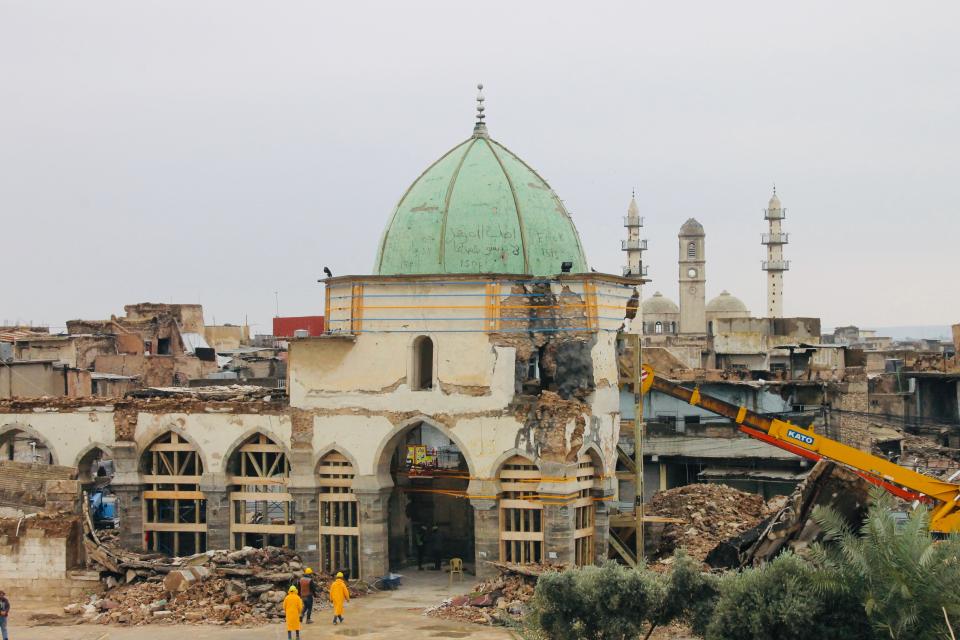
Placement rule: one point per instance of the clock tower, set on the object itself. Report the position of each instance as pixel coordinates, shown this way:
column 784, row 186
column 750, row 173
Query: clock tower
column 693, row 279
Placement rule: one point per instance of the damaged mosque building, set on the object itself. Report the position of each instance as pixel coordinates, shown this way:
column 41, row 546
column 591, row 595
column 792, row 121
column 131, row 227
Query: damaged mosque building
column 469, row 383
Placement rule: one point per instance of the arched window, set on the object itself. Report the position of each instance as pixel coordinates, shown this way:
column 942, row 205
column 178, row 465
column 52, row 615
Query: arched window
column 421, row 371
column 658, row 328
column 692, row 250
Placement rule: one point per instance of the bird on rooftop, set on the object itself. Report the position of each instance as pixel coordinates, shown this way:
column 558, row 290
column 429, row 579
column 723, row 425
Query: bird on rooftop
column 326, row 270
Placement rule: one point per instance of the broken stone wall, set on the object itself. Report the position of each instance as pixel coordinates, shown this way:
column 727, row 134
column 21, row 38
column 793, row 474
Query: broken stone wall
column 38, row 556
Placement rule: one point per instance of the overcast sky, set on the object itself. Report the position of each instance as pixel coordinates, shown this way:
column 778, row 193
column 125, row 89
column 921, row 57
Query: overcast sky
column 217, row 152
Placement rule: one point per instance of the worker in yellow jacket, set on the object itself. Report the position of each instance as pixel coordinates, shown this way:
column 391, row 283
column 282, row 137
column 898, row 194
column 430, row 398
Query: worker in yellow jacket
column 339, row 593
column 292, row 608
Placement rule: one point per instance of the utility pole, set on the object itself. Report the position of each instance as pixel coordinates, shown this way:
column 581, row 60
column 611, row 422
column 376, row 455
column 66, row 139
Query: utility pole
column 638, row 445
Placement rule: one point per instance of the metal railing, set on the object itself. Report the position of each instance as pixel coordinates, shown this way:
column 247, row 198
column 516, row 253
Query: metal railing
column 633, row 221
column 776, row 265
column 628, row 272
column 776, row 238
column 634, row 244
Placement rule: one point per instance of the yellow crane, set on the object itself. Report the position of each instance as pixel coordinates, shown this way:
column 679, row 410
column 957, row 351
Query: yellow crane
column 943, row 496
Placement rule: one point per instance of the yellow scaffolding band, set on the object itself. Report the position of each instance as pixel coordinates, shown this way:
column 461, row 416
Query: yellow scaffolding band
column 741, row 415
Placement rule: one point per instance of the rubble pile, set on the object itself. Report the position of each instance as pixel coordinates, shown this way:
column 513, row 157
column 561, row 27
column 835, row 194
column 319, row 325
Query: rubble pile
column 792, row 526
column 497, row 600
column 928, row 457
column 242, row 588
column 710, row 514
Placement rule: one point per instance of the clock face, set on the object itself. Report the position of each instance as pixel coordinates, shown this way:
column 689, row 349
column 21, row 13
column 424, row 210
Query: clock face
column 691, row 273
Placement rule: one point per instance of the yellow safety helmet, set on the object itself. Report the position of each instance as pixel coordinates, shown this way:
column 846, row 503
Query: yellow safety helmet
column 292, row 590
column 308, row 571
column 339, row 574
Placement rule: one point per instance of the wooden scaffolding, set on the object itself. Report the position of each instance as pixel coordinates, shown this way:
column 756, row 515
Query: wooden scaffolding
column 339, row 516
column 261, row 508
column 174, row 508
column 585, row 510
column 521, row 514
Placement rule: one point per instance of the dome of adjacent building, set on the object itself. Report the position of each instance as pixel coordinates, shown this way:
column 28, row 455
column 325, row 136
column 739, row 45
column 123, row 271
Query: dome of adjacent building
column 726, row 303
column 658, row 305
column 480, row 209
column 691, row 228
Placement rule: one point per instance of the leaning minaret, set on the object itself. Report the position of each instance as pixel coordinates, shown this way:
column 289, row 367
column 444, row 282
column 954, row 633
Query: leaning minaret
column 775, row 265
column 634, row 246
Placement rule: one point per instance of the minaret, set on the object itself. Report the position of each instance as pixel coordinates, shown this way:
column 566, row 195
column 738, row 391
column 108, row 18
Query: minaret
column 775, row 265
column 693, row 278
column 633, row 245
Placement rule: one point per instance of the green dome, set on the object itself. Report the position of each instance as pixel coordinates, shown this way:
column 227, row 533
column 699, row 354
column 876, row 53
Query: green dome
column 479, row 209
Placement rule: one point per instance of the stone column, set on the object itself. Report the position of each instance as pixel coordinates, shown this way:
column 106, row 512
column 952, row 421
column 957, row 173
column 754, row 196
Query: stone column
column 601, row 536
column 303, row 488
column 559, row 519
column 486, row 533
column 127, row 486
column 214, row 488
column 373, row 502
column 308, row 524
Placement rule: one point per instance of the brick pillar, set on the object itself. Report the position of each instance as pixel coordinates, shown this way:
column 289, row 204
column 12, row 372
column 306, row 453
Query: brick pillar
column 308, row 524
column 130, row 508
column 486, row 533
column 373, row 501
column 303, row 488
column 127, row 486
column 214, row 487
column 559, row 520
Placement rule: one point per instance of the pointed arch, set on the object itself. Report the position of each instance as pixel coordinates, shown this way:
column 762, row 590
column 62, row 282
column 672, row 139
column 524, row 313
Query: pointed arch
column 588, row 482
column 247, row 435
column 390, row 441
column 12, row 427
column 339, row 513
column 174, row 507
column 521, row 513
column 146, row 441
column 262, row 510
column 85, row 475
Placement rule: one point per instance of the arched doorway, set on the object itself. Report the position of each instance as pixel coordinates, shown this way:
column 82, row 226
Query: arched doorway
column 261, row 509
column 521, row 514
column 430, row 514
column 339, row 516
column 174, row 508
column 19, row 445
column 95, row 468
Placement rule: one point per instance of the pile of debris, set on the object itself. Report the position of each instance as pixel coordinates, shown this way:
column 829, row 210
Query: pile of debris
column 497, row 600
column 243, row 588
column 928, row 457
column 709, row 514
column 231, row 392
column 792, row 526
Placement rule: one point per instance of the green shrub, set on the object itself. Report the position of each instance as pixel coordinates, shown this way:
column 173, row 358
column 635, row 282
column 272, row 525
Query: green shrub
column 901, row 577
column 690, row 595
column 610, row 602
column 778, row 601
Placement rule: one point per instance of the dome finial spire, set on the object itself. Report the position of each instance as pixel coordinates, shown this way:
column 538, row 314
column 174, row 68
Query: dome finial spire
column 480, row 128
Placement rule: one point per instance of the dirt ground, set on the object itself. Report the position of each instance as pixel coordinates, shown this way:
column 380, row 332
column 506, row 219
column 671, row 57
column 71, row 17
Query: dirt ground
column 389, row 615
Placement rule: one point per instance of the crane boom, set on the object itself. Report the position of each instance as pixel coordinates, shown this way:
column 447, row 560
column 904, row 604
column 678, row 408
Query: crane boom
column 903, row 482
